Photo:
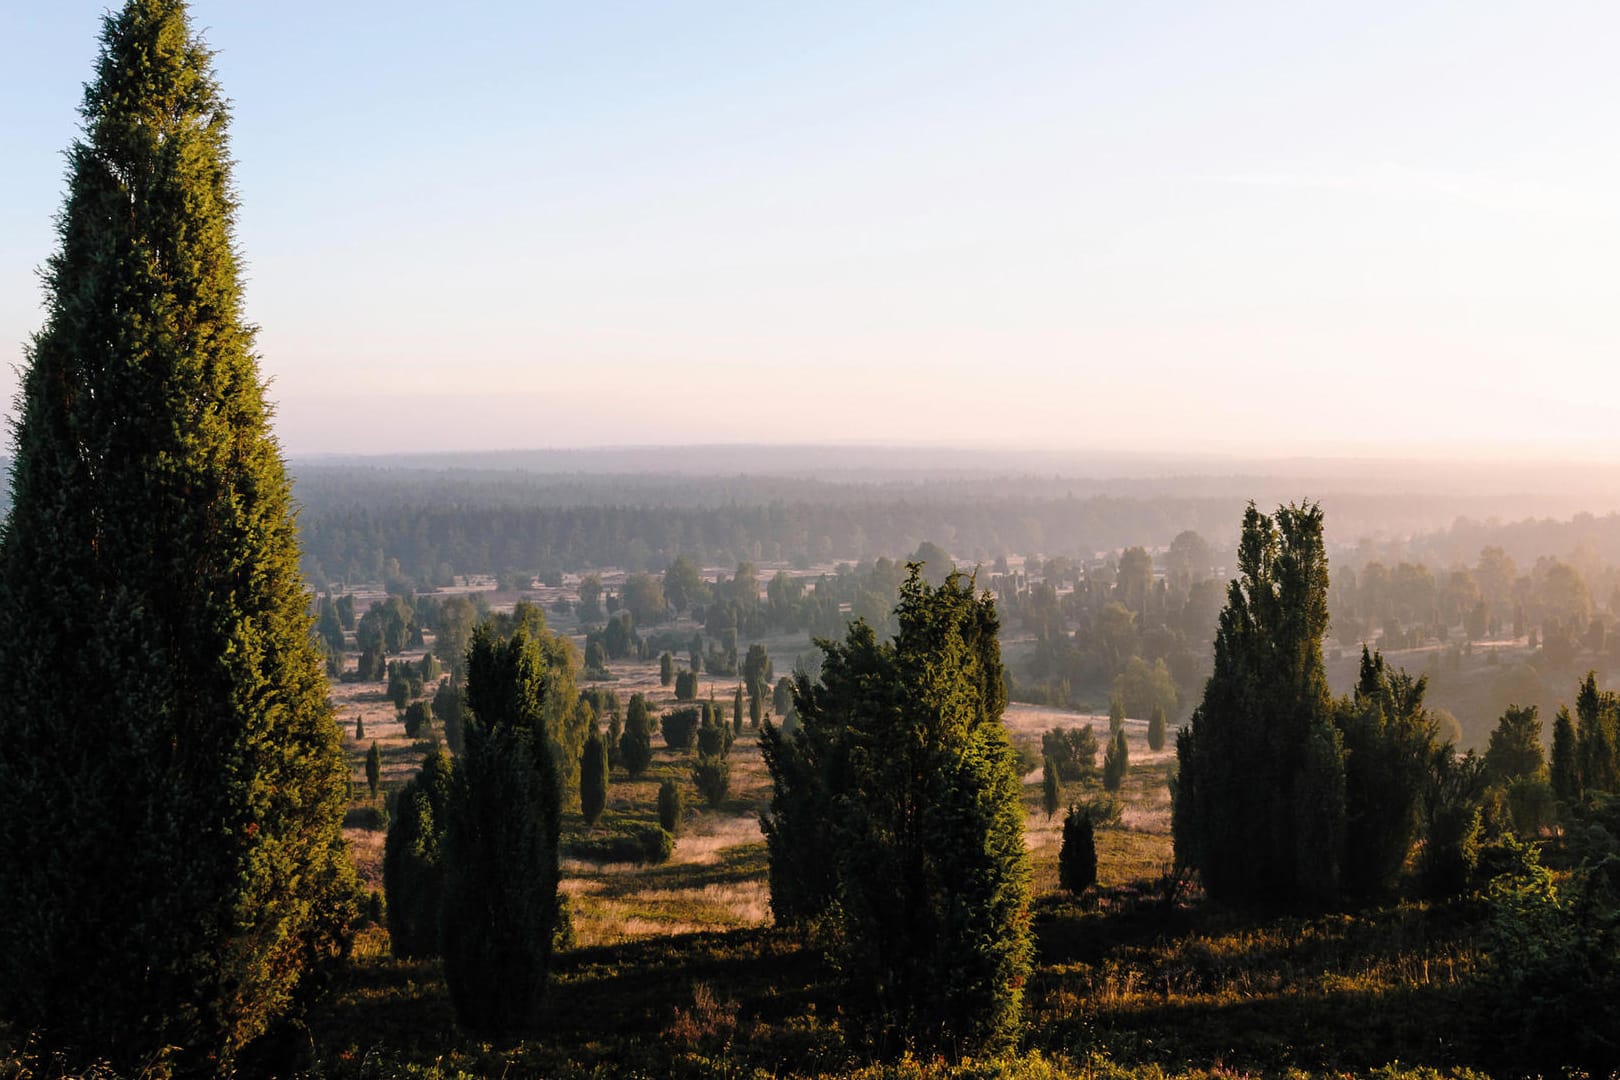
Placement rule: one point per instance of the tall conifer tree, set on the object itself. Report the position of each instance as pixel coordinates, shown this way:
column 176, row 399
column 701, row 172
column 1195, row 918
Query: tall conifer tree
column 900, row 799
column 171, row 777
column 499, row 906
column 1259, row 806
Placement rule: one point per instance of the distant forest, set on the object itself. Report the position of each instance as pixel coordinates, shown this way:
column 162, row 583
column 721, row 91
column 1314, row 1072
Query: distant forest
column 424, row 526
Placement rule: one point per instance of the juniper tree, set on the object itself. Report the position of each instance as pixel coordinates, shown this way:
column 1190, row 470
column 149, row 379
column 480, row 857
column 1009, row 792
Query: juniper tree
column 172, row 783
column 666, row 668
column 737, row 705
column 373, row 768
column 671, row 807
column 1388, row 743
column 636, row 746
column 1116, row 761
column 902, row 765
column 1156, row 729
column 1259, row 807
column 1598, row 737
column 447, row 707
column 593, row 777
column 1077, row 858
column 1051, row 791
column 1514, row 751
column 1566, row 767
column 413, row 858
column 500, row 852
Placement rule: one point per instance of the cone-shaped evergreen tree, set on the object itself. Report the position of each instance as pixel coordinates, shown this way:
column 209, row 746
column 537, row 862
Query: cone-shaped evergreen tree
column 1259, row 806
column 1077, row 858
column 1156, row 729
column 593, row 776
column 413, row 858
column 900, row 800
column 171, row 776
column 500, row 850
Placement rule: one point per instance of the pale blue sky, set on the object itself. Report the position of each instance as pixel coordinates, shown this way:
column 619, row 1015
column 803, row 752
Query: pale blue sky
column 1285, row 227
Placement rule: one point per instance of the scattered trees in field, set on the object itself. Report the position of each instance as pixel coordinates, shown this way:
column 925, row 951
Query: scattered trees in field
column 899, row 795
column 161, row 908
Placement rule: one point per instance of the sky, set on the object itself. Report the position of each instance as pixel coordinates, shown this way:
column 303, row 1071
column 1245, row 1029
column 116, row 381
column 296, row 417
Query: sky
column 1253, row 227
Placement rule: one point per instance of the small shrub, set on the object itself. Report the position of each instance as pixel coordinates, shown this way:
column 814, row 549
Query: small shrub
column 636, row 844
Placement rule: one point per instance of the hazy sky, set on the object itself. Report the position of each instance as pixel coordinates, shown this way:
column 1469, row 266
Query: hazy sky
column 1293, row 227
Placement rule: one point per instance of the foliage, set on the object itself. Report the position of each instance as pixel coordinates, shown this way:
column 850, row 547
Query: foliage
column 634, row 844
column 782, row 697
column 1515, row 748
column 1565, row 772
column 1116, row 715
column 635, row 748
column 500, row 896
column 671, row 807
column 1452, row 822
column 666, row 668
column 1116, row 761
column 1554, row 964
column 1073, row 751
column 679, row 726
column 172, row 781
column 902, row 758
column 418, row 720
column 1597, row 738
column 413, row 859
column 593, row 777
column 1388, row 743
column 711, row 775
column 686, row 685
column 1259, row 805
column 1077, row 859
column 374, row 767
column 1156, row 729
column 447, row 709
column 1051, row 787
